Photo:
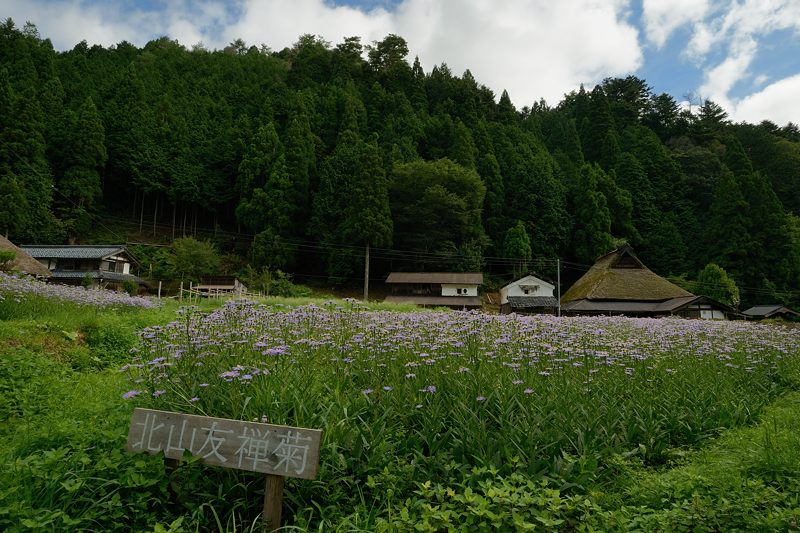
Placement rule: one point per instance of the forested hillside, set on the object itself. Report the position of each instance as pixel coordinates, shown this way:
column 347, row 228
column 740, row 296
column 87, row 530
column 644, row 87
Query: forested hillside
column 315, row 152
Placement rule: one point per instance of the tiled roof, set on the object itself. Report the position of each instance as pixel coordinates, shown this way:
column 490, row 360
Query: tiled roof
column 627, row 306
column 96, row 274
column 529, row 302
column 73, row 252
column 447, row 278
column 769, row 310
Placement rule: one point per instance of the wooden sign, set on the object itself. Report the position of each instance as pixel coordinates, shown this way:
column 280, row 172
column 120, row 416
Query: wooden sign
column 278, row 450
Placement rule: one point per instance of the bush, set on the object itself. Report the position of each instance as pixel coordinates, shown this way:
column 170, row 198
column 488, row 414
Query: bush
column 131, row 287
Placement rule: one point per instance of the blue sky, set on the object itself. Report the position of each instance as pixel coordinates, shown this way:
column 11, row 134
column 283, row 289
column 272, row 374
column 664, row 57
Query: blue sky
column 743, row 54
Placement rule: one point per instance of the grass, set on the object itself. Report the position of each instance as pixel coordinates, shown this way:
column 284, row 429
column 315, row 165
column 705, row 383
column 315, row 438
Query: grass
column 667, row 442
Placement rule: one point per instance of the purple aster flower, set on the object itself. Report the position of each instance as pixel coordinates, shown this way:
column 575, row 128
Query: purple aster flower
column 131, row 394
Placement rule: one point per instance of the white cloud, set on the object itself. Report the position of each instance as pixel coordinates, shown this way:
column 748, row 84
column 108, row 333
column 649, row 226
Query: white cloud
column 777, row 102
column 721, row 79
column 662, row 17
column 736, row 29
column 534, row 48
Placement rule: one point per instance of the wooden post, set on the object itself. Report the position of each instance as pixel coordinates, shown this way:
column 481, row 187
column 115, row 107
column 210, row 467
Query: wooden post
column 273, row 502
column 366, row 274
column 180, row 297
column 159, row 290
column 191, row 283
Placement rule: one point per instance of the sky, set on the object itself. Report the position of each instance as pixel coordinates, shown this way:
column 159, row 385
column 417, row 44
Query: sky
column 742, row 54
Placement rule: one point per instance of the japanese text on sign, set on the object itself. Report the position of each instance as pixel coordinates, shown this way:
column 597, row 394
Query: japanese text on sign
column 279, row 450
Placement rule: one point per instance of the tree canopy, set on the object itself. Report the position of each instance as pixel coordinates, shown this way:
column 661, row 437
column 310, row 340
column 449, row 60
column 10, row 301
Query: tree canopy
column 299, row 158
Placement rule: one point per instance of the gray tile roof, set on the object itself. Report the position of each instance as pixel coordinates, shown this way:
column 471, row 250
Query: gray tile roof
column 95, row 274
column 768, row 310
column 453, row 278
column 530, row 302
column 73, row 252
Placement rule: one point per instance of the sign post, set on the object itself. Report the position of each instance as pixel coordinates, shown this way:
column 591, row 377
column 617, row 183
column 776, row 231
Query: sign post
column 277, row 451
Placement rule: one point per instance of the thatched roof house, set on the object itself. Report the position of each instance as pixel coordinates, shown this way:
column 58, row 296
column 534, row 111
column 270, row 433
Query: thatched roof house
column 24, row 262
column 620, row 284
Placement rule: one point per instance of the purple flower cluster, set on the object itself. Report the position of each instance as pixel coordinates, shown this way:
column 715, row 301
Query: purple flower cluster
column 20, row 288
column 416, row 357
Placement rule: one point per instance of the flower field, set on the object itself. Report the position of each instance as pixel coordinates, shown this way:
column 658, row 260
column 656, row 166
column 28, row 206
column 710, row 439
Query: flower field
column 20, row 291
column 405, row 398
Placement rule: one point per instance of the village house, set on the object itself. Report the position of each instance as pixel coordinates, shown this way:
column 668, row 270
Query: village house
column 457, row 290
column 108, row 266
column 530, row 295
column 762, row 312
column 620, row 284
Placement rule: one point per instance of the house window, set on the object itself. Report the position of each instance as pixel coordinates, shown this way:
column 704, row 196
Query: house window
column 526, row 291
column 461, row 291
column 111, row 266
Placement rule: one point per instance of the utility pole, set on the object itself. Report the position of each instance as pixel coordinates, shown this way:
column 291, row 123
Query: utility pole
column 366, row 274
column 558, row 267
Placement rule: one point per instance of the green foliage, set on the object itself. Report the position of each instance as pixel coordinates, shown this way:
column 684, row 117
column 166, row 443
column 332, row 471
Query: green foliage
column 436, row 207
column 297, row 147
column 517, row 245
column 592, row 235
column 6, row 259
column 131, row 287
column 486, row 501
column 714, row 282
column 190, row 259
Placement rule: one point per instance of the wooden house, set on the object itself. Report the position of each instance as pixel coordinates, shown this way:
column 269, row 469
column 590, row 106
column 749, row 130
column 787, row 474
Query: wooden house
column 530, row 295
column 762, row 312
column 22, row 261
column 620, row 284
column 108, row 266
column 457, row 290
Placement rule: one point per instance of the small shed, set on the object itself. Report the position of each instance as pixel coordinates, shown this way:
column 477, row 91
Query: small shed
column 24, row 262
column 220, row 286
column 436, row 289
column 762, row 312
column 528, row 294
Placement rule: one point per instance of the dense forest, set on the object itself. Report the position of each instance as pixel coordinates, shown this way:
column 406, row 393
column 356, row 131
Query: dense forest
column 305, row 158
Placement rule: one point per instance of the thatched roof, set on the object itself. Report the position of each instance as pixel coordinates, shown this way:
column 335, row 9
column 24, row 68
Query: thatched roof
column 619, row 275
column 24, row 262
